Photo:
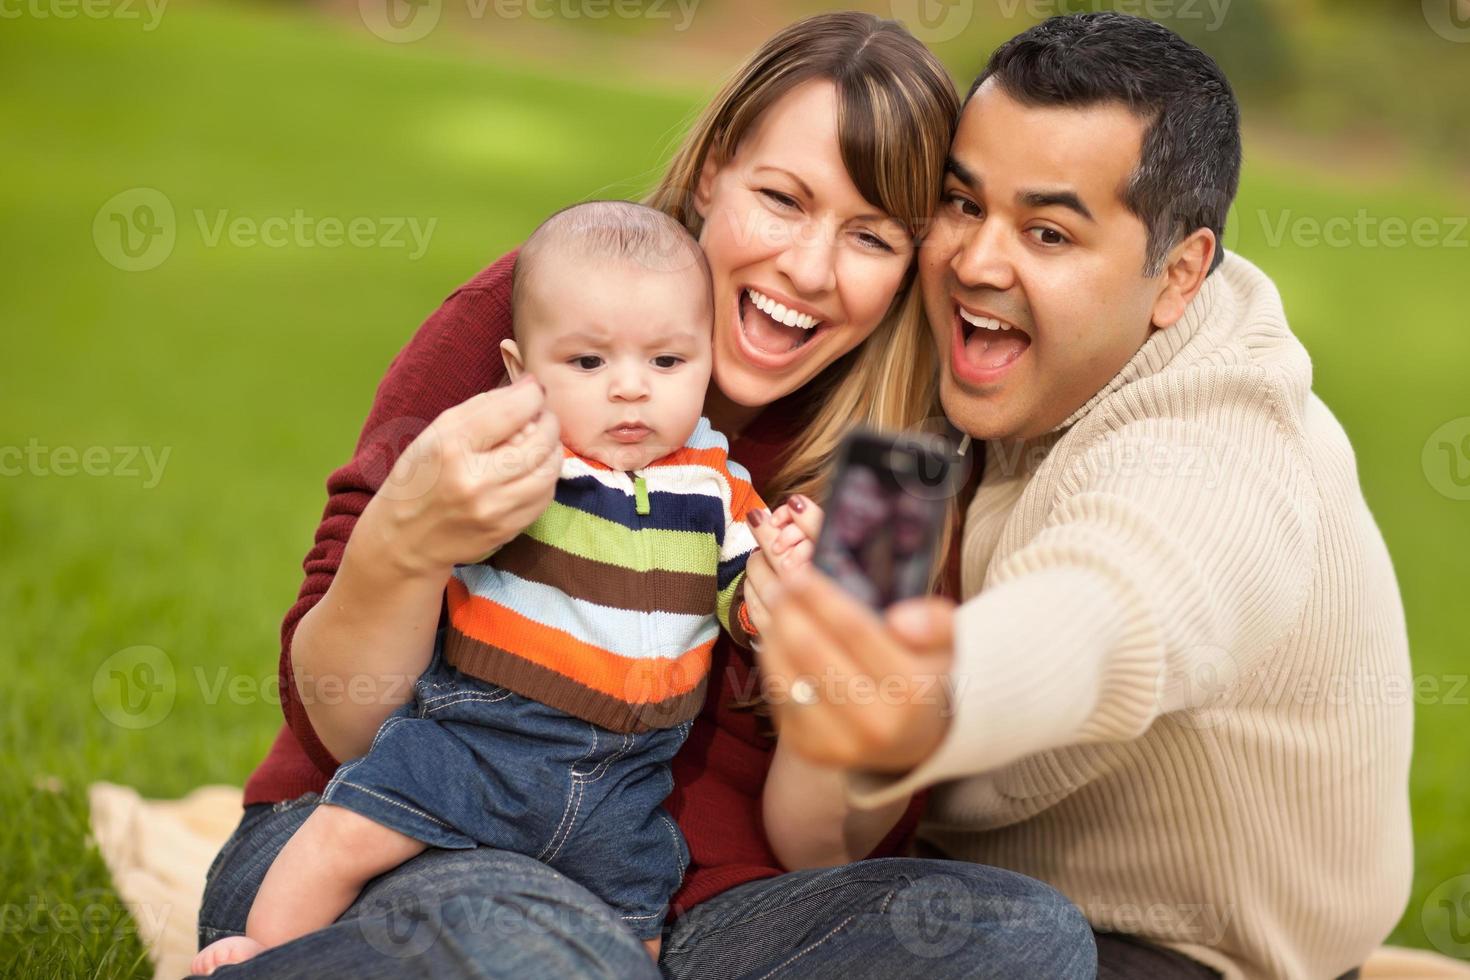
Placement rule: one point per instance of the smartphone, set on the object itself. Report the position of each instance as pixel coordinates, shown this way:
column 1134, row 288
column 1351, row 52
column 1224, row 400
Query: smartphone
column 885, row 514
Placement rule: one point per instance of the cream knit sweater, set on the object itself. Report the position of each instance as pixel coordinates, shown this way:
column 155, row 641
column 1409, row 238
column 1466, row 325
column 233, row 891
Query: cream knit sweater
column 1182, row 678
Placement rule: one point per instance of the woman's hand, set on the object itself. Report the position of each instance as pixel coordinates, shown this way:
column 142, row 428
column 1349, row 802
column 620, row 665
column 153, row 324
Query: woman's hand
column 787, row 537
column 877, row 687
column 473, row 480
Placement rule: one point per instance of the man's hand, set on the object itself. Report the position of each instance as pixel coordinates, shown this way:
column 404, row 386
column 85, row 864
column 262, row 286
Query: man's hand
column 881, row 685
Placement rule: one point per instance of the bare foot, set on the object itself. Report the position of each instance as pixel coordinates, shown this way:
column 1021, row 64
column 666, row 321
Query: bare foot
column 222, row 952
column 653, row 946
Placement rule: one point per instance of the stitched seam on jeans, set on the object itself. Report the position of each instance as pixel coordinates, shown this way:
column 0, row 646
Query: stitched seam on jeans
column 571, row 795
column 405, row 806
column 640, row 917
column 461, row 696
column 581, row 785
column 674, row 839
column 574, row 800
column 606, row 764
column 765, row 913
column 835, row 930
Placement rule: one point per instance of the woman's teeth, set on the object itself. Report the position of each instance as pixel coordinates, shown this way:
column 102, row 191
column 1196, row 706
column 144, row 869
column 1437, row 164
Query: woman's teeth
column 781, row 314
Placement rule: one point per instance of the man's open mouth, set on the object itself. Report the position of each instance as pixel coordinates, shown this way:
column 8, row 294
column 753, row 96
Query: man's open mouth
column 772, row 329
column 986, row 346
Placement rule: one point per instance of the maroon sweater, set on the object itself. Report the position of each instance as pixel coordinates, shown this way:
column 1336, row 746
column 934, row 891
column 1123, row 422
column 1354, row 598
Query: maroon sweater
column 719, row 772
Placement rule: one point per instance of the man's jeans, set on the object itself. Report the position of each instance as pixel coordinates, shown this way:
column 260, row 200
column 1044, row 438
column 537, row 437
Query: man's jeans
column 498, row 914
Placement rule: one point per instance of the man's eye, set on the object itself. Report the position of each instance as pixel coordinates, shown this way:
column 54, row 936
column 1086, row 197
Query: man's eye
column 1049, row 236
column 963, row 204
column 667, row 361
column 587, row 362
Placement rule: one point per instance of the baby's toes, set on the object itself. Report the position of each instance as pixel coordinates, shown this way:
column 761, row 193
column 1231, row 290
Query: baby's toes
column 222, row 952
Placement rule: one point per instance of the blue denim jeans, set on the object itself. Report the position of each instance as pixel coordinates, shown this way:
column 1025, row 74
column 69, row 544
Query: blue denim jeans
column 498, row 914
column 465, row 763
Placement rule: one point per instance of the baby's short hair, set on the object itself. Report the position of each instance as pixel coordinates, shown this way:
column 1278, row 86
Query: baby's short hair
column 601, row 230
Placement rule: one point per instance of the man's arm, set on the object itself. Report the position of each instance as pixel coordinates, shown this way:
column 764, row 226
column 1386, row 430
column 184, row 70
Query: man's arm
column 1151, row 581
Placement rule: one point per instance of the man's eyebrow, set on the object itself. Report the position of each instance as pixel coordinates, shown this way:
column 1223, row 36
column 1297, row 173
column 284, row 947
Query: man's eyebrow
column 964, row 173
column 1054, row 198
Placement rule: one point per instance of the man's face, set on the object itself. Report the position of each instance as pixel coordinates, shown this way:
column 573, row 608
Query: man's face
column 1032, row 272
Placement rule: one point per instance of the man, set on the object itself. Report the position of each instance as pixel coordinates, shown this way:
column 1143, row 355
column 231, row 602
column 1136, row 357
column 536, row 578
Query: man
column 1180, row 677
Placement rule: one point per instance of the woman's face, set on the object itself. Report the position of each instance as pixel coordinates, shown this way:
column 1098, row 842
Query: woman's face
column 804, row 268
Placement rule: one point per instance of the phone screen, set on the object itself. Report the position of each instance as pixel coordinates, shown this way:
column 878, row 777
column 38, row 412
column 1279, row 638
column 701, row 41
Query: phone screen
column 885, row 514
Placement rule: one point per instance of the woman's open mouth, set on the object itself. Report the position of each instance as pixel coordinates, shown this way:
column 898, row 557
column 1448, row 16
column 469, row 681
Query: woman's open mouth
column 985, row 347
column 771, row 333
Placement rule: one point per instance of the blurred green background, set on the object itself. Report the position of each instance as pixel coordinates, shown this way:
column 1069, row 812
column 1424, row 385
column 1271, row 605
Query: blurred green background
column 172, row 409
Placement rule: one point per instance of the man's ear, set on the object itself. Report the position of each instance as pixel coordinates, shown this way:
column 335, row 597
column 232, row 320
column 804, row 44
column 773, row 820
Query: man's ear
column 511, row 355
column 1184, row 273
column 704, row 187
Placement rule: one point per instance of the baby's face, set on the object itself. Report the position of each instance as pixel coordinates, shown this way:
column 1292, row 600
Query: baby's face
column 623, row 352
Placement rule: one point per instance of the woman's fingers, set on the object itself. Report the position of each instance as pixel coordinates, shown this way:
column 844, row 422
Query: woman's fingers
column 759, row 591
column 805, row 514
column 493, row 417
column 763, row 528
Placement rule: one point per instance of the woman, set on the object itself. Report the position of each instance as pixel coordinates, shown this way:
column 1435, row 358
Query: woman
column 806, row 181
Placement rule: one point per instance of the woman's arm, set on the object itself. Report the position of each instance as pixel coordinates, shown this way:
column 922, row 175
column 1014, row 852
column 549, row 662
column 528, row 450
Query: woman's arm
column 477, row 477
column 808, row 820
column 365, row 616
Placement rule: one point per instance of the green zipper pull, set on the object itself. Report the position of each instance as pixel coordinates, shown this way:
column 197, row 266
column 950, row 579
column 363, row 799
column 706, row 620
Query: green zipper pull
column 640, row 494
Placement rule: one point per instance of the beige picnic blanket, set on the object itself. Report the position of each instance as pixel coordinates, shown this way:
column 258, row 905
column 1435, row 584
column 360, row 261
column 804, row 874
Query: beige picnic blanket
column 159, row 851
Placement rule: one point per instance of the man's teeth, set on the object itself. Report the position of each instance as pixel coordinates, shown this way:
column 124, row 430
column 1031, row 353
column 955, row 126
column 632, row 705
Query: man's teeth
column 781, row 314
column 985, row 322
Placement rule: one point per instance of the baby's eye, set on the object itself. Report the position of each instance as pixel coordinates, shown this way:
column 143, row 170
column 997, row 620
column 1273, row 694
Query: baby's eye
column 587, row 362
column 668, row 360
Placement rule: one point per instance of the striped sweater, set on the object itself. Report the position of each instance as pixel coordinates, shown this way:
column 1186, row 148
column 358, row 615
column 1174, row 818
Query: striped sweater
column 607, row 607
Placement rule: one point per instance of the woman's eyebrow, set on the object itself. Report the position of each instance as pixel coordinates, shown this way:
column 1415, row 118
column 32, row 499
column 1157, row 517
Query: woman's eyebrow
column 806, row 189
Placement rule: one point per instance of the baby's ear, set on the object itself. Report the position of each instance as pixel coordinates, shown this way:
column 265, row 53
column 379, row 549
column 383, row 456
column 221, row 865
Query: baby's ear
column 511, row 355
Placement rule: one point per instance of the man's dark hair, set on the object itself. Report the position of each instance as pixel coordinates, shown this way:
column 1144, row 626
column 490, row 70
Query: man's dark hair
column 1189, row 168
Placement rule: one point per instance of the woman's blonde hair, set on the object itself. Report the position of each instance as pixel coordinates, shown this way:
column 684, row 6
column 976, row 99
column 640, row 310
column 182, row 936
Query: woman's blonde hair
column 896, row 113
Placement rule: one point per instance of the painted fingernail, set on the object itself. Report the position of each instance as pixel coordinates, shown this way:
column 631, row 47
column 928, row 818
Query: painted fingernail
column 755, row 517
column 798, row 503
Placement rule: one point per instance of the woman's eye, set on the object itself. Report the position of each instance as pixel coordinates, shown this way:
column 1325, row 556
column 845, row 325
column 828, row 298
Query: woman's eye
column 872, row 241
column 587, row 362
column 963, row 204
column 781, row 200
column 1049, row 236
column 667, row 361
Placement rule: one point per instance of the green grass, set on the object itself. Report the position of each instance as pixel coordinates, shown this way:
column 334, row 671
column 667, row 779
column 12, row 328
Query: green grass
column 253, row 366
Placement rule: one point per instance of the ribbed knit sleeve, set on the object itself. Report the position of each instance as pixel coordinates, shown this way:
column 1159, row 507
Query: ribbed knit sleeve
column 454, row 355
column 1174, row 549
